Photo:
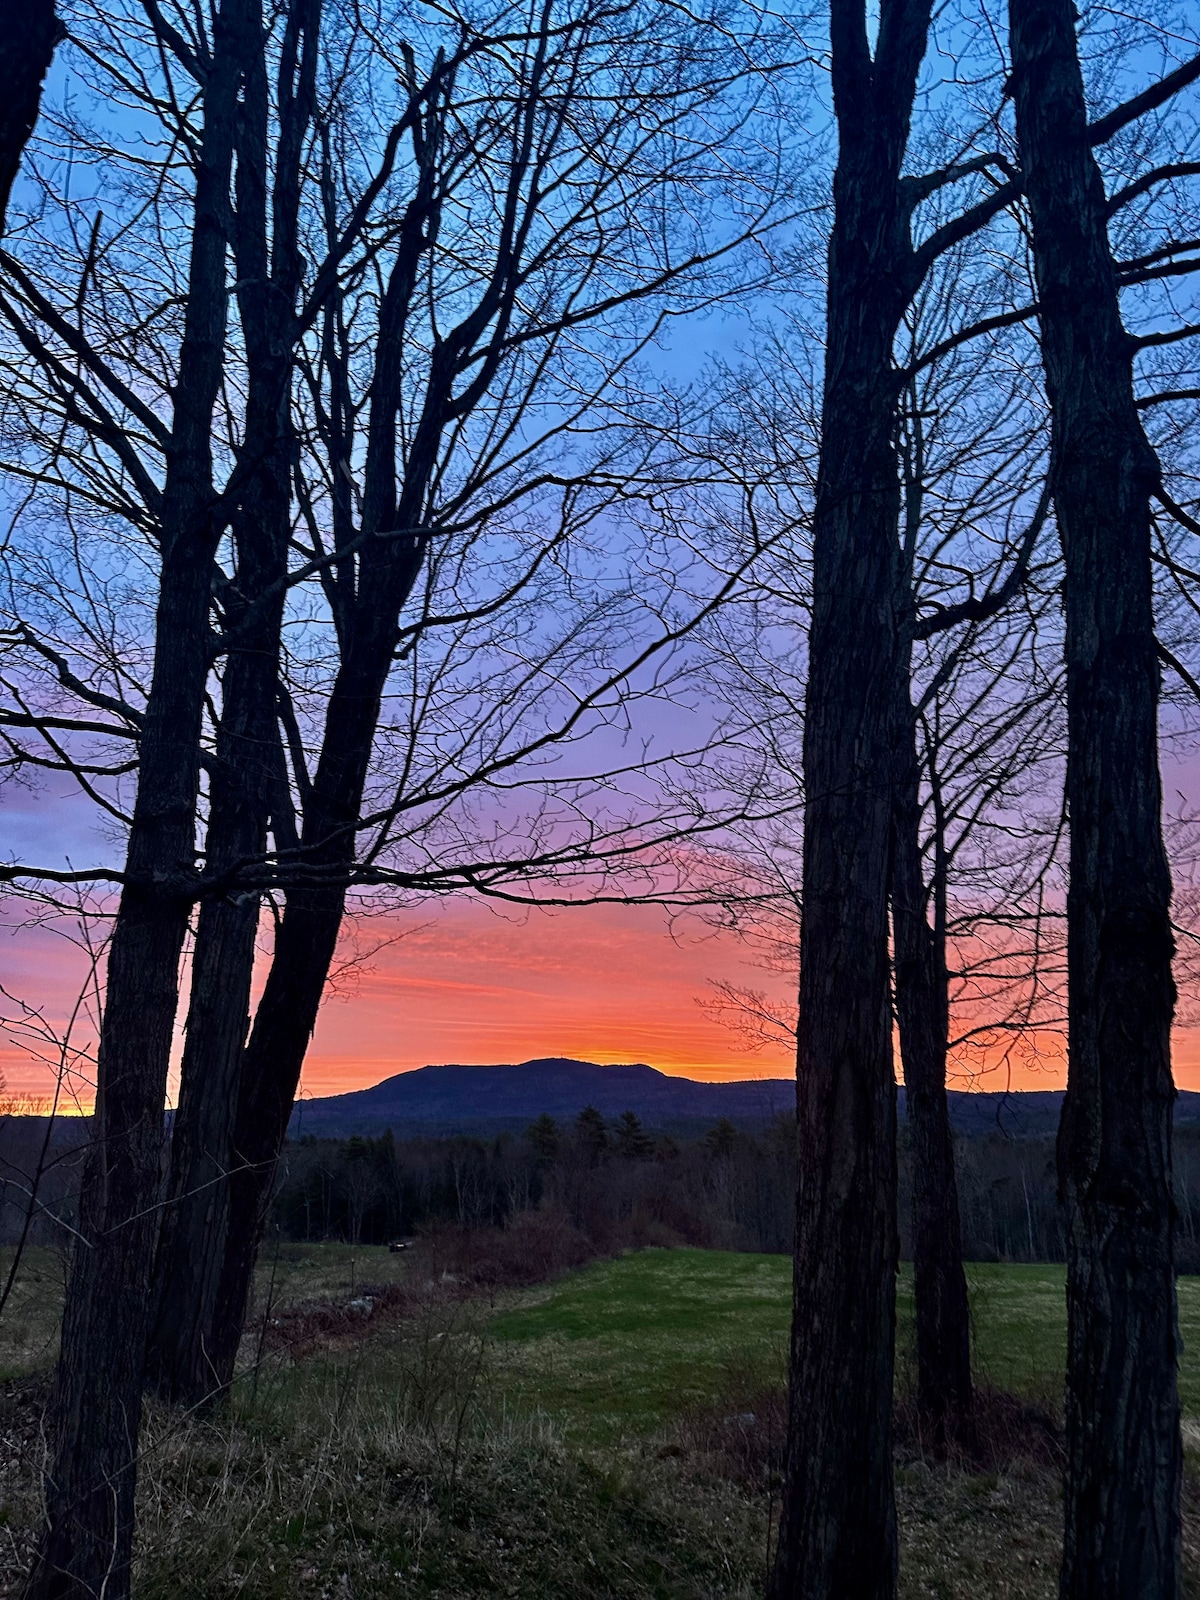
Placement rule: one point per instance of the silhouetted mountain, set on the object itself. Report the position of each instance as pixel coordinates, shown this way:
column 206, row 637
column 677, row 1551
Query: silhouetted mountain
column 456, row 1099
column 470, row 1099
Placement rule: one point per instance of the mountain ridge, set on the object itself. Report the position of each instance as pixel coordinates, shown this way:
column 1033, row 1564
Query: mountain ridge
column 486, row 1099
column 456, row 1097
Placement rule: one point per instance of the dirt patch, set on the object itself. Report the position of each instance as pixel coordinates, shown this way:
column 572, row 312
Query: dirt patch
column 329, row 1322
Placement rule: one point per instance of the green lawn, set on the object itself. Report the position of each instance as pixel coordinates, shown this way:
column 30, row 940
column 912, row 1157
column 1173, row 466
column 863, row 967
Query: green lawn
column 29, row 1321
column 622, row 1345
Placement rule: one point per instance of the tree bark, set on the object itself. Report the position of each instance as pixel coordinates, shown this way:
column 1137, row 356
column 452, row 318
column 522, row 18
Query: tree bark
column 945, row 1398
column 30, row 33
column 369, row 620
column 86, row 1545
column 246, row 779
column 837, row 1534
column 1122, row 1532
column 304, row 948
column 188, row 1258
column 283, row 1024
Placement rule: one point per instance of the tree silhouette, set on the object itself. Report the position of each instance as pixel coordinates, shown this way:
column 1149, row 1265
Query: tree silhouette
column 543, row 1139
column 591, row 1136
column 631, row 1139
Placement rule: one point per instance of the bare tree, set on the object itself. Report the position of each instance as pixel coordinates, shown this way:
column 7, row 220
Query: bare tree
column 837, row 1531
column 426, row 348
column 97, row 1404
column 1124, row 1456
column 245, row 775
column 921, row 872
column 452, row 462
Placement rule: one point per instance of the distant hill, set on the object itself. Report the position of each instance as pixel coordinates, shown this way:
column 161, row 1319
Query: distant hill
column 485, row 1101
column 455, row 1099
column 493, row 1099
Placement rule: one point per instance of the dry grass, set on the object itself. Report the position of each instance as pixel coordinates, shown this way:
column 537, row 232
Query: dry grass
column 325, row 1487
column 29, row 1324
column 979, row 1536
column 400, row 1451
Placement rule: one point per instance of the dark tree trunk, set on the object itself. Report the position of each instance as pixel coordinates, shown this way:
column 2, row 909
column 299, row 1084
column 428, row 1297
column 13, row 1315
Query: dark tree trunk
column 945, row 1400
column 246, row 779
column 283, row 1024
column 86, row 1544
column 837, row 1534
column 188, row 1260
column 1122, row 1534
column 304, row 949
column 369, row 619
column 307, row 938
column 28, row 34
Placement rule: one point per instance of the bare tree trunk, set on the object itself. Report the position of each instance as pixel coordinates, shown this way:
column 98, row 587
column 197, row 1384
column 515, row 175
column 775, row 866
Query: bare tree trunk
column 837, row 1533
column 1122, row 1533
column 270, row 1067
column 307, row 937
column 270, row 1073
column 247, row 778
column 86, row 1544
column 27, row 39
column 188, row 1259
column 945, row 1400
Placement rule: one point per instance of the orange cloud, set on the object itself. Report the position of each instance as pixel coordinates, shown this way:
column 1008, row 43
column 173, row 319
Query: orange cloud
column 458, row 982
column 604, row 983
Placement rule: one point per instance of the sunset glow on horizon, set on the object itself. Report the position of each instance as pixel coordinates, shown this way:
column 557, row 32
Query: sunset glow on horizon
column 457, row 981
column 598, row 983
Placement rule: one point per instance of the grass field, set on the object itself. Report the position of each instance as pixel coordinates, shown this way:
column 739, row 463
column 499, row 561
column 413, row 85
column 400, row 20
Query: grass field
column 623, row 1345
column 569, row 1442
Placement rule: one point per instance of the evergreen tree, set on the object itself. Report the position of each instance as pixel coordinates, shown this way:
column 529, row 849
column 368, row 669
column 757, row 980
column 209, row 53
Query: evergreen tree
column 721, row 1138
column 543, row 1139
column 632, row 1140
column 591, row 1135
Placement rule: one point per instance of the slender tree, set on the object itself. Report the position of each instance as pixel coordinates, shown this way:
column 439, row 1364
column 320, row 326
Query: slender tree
column 245, row 771
column 1124, row 1457
column 837, row 1533
column 86, row 1544
column 921, row 866
column 945, row 1398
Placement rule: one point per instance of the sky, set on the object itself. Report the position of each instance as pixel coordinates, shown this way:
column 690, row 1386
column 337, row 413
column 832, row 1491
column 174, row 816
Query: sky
column 602, row 983
column 457, row 982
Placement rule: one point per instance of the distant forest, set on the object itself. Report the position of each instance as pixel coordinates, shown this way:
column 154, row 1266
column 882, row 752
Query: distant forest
column 622, row 1186
column 617, row 1183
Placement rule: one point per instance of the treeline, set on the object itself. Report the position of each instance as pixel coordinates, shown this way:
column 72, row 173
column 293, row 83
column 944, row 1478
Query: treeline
column 615, row 1182
column 619, row 1183
column 624, row 1186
